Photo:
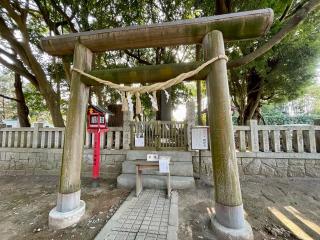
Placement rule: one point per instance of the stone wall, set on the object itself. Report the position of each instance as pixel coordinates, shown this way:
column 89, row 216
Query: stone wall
column 29, row 161
column 280, row 167
column 272, row 165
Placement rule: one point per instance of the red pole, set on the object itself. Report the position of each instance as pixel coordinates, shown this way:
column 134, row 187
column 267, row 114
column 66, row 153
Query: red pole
column 96, row 156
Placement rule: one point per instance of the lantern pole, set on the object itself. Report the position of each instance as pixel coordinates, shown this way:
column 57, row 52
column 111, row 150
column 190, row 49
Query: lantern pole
column 96, row 159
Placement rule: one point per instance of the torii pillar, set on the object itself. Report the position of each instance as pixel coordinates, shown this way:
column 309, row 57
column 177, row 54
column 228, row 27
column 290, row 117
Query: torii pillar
column 69, row 207
column 228, row 222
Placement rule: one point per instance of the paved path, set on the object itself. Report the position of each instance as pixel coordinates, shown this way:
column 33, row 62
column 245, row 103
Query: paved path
column 151, row 216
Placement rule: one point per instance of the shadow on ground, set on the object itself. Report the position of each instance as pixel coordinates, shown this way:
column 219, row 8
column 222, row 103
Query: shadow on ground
column 276, row 209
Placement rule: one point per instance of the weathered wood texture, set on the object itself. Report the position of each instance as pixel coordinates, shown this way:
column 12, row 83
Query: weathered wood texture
column 235, row 26
column 75, row 127
column 145, row 74
column 160, row 135
column 226, row 177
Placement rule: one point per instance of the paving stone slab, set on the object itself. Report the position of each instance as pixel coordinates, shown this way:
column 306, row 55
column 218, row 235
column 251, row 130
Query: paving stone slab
column 143, row 218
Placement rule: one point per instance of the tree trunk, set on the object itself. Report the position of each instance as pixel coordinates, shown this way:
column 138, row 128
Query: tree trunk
column 254, row 90
column 23, row 49
column 22, row 108
column 199, row 92
column 223, row 7
column 165, row 107
column 51, row 98
column 164, row 104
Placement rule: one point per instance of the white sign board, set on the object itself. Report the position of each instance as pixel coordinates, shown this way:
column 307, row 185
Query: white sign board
column 139, row 140
column 152, row 157
column 199, row 138
column 164, row 164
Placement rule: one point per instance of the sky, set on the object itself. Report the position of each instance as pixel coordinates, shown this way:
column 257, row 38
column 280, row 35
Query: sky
column 179, row 114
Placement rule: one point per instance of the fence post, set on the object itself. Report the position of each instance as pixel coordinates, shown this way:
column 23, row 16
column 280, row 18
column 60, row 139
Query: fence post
column 36, row 135
column 127, row 117
column 317, row 134
column 253, row 136
column 190, row 119
column 275, row 137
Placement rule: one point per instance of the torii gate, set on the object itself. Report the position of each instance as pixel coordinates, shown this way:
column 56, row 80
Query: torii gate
column 229, row 222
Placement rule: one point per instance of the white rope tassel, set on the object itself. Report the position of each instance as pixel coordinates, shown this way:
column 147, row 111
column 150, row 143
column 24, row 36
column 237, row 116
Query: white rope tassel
column 167, row 95
column 153, row 99
column 138, row 103
column 124, row 102
column 155, row 102
column 130, row 104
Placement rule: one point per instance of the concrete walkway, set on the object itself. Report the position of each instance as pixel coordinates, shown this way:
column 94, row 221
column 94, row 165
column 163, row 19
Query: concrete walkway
column 151, row 216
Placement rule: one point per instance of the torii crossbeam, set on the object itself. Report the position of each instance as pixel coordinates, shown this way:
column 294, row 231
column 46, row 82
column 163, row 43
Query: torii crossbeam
column 229, row 222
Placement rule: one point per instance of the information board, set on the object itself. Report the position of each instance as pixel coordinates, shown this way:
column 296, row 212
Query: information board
column 199, row 138
column 139, row 140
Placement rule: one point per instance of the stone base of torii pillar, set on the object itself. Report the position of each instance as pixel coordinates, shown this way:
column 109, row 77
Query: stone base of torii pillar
column 223, row 233
column 228, row 223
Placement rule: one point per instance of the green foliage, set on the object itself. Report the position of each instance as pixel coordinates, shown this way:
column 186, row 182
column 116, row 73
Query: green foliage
column 7, row 107
column 273, row 114
column 314, row 92
column 36, row 104
column 283, row 73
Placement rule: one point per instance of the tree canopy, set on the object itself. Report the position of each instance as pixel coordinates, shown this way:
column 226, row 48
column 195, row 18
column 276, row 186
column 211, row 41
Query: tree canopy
column 274, row 68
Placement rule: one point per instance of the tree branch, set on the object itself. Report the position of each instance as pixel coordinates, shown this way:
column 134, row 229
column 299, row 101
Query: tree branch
column 291, row 24
column 286, row 10
column 19, row 68
column 20, row 19
column 7, row 34
column 140, row 60
column 46, row 17
column 64, row 15
column 10, row 98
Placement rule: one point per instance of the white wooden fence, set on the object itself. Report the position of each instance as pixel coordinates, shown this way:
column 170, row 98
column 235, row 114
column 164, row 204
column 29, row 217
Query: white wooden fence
column 251, row 138
column 39, row 137
column 276, row 138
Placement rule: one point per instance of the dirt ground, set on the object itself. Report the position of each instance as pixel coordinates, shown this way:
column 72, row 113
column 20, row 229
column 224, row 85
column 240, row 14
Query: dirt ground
column 26, row 201
column 258, row 194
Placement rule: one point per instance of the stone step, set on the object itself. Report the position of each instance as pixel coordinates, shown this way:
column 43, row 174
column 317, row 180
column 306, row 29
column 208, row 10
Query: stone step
column 176, row 156
column 128, row 180
column 176, row 169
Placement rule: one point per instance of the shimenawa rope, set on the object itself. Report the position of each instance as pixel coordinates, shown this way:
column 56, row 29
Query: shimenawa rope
column 137, row 91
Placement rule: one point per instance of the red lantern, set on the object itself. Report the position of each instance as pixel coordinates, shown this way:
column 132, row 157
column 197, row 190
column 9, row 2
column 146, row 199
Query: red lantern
column 96, row 124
